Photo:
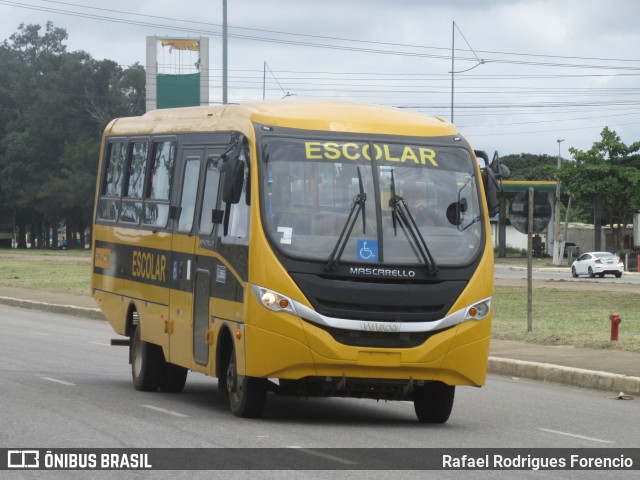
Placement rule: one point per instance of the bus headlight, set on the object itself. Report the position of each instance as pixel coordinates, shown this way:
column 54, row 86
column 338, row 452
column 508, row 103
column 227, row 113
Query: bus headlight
column 479, row 310
column 273, row 300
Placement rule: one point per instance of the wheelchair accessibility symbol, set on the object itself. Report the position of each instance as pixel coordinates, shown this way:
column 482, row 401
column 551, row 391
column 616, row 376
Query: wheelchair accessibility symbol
column 367, row 250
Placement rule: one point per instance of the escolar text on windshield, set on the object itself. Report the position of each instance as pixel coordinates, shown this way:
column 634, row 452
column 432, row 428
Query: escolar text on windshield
column 384, row 152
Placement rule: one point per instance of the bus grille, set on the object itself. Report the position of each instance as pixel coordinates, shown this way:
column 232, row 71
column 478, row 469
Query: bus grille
column 356, row 338
column 386, row 302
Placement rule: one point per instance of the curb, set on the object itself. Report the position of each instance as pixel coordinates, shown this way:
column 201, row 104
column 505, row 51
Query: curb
column 545, row 372
column 566, row 269
column 93, row 313
column 577, row 377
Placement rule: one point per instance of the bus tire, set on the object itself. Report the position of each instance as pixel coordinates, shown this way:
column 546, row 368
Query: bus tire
column 247, row 395
column 147, row 363
column 173, row 378
column 433, row 402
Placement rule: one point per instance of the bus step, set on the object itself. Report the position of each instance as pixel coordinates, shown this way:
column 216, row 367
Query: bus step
column 120, row 342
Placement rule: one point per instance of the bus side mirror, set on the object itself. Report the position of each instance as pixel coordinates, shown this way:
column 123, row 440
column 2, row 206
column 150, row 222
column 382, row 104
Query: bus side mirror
column 504, row 171
column 233, row 180
column 232, row 165
column 491, row 190
column 455, row 211
column 492, row 180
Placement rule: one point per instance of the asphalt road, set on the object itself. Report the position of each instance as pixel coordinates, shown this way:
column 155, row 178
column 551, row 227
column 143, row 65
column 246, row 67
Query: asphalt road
column 541, row 274
column 62, row 385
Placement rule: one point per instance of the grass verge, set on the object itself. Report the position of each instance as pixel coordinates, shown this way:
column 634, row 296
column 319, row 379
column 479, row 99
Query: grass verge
column 567, row 317
column 62, row 273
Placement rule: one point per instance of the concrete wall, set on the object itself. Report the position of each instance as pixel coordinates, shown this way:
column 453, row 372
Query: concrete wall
column 579, row 233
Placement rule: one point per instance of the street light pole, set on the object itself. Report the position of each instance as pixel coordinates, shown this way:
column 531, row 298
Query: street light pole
column 557, row 241
column 224, row 52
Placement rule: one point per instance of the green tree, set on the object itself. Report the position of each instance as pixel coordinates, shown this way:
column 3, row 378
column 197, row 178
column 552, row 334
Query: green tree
column 54, row 105
column 609, row 170
column 527, row 166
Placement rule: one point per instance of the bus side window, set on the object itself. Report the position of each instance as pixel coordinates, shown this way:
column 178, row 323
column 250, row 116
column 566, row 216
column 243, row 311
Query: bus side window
column 112, row 181
column 131, row 209
column 210, row 195
column 189, row 192
column 158, row 189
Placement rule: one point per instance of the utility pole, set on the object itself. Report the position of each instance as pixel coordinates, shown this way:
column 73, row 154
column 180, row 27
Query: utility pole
column 530, row 260
column 453, row 43
column 224, row 52
column 557, row 241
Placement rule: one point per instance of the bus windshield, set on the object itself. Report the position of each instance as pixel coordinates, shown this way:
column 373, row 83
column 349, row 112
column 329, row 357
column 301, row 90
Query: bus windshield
column 310, row 187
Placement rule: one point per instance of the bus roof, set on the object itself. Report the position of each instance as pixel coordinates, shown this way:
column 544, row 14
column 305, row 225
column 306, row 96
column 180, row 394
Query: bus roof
column 320, row 116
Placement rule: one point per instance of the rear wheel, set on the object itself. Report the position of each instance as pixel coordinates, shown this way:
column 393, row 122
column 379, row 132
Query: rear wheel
column 149, row 369
column 147, row 362
column 173, row 378
column 591, row 274
column 247, row 395
column 433, row 402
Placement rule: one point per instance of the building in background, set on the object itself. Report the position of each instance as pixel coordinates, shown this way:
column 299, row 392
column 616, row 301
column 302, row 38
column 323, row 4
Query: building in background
column 177, row 72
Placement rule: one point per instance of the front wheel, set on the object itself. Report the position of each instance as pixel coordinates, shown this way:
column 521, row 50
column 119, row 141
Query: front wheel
column 247, row 395
column 433, row 402
column 618, row 274
column 574, row 274
column 591, row 274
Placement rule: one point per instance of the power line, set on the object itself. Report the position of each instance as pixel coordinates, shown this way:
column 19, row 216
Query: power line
column 326, row 46
column 546, row 121
column 344, row 39
column 600, row 127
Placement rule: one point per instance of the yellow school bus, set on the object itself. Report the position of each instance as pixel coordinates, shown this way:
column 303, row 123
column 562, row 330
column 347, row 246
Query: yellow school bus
column 296, row 248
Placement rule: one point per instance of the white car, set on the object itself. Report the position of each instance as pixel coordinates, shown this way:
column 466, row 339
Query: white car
column 597, row 263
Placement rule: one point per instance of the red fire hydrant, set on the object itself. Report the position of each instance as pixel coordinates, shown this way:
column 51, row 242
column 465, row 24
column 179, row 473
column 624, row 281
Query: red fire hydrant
column 615, row 322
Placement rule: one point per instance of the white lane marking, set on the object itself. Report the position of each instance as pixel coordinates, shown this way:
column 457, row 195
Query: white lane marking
column 325, row 456
column 42, row 334
column 575, row 436
column 55, row 380
column 101, row 343
column 164, row 410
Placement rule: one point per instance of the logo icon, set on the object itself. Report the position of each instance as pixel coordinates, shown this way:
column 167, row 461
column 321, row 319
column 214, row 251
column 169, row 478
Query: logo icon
column 367, row 250
column 23, row 459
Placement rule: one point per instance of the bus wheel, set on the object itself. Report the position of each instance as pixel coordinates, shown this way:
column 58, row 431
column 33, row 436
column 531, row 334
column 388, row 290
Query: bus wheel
column 433, row 402
column 147, row 362
column 173, row 378
column 247, row 395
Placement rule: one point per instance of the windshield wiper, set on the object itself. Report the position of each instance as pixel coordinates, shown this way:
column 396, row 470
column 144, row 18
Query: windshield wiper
column 400, row 214
column 357, row 207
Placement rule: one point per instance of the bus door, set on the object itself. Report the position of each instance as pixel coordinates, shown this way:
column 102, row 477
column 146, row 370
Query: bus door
column 218, row 292
column 183, row 247
column 205, row 266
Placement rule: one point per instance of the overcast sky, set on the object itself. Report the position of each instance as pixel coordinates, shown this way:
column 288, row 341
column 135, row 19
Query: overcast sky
column 541, row 70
